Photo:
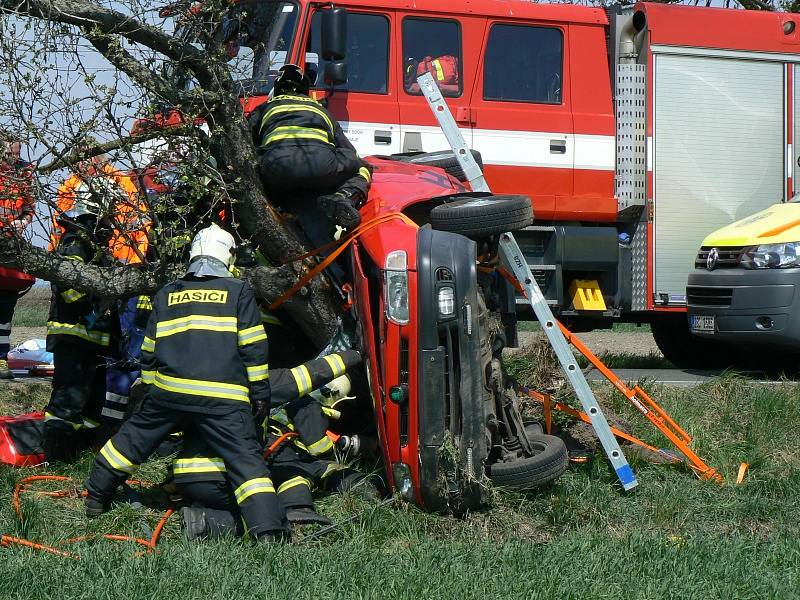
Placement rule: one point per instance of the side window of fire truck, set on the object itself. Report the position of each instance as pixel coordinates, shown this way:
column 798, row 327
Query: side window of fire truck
column 367, row 53
column 523, row 64
column 434, row 46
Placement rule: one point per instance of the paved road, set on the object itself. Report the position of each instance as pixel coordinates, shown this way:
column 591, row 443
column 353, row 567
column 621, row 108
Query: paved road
column 676, row 377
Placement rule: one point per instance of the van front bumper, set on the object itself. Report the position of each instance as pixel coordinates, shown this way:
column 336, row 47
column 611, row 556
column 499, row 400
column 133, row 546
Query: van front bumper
column 758, row 307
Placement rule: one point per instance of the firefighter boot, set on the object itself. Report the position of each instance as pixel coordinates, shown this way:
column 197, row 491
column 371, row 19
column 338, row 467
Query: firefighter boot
column 209, row 524
column 94, row 508
column 304, row 515
column 5, row 372
column 341, row 209
column 61, row 443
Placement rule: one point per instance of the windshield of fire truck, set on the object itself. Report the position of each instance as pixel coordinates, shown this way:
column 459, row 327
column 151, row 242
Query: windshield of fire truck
column 258, row 37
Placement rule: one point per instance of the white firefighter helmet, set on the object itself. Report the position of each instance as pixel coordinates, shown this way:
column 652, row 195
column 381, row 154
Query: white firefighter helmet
column 215, row 242
column 85, row 203
column 336, row 390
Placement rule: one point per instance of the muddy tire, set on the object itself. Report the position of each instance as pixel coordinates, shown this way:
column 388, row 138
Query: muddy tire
column 547, row 465
column 444, row 159
column 483, row 216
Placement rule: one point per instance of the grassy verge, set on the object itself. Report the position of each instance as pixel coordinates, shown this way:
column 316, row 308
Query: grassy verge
column 32, row 308
column 581, row 538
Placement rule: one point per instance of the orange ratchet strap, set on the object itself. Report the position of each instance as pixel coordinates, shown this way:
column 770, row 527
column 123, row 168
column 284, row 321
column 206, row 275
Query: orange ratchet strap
column 343, row 244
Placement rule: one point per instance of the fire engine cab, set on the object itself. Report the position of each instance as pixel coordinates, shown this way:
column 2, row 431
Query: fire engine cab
column 635, row 132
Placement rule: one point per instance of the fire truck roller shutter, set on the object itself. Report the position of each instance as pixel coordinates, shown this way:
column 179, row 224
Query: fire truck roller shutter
column 718, row 154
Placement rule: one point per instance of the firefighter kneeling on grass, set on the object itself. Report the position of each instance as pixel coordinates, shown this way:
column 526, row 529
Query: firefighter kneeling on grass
column 204, row 360
column 297, row 450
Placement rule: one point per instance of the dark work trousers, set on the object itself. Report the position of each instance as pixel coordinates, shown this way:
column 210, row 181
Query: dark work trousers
column 231, row 436
column 8, row 302
column 291, row 167
column 73, row 414
column 121, row 372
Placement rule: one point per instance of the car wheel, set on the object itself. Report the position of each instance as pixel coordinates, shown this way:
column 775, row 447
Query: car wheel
column 444, row 159
column 687, row 351
column 483, row 216
column 548, row 464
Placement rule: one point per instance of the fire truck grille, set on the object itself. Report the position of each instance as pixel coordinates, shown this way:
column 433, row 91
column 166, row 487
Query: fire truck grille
column 709, row 296
column 728, row 257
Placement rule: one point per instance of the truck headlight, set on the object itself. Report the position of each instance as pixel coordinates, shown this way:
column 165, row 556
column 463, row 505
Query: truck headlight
column 771, row 256
column 395, row 287
column 447, row 301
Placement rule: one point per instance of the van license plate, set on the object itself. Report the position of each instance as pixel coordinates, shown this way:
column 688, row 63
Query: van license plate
column 702, row 323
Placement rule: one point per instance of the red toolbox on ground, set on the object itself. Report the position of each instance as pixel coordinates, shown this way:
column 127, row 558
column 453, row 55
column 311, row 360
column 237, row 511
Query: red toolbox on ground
column 21, row 440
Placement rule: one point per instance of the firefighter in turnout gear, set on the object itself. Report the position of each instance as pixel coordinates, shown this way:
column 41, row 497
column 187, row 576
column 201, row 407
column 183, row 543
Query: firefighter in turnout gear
column 79, row 334
column 204, row 360
column 200, row 478
column 302, row 148
column 17, row 208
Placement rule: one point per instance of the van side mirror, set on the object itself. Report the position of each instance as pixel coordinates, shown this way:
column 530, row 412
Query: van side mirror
column 333, row 33
column 335, row 73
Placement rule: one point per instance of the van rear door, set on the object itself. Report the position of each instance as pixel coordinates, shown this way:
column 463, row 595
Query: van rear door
column 521, row 110
column 366, row 106
column 439, row 45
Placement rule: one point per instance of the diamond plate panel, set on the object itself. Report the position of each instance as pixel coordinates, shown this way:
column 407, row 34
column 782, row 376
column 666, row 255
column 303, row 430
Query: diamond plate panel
column 639, row 265
column 631, row 137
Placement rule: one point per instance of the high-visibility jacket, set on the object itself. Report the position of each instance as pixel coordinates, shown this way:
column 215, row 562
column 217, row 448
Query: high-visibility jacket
column 16, row 199
column 131, row 220
column 65, row 200
column 288, row 386
column 129, row 244
column 205, row 349
column 296, row 119
column 78, row 316
column 444, row 70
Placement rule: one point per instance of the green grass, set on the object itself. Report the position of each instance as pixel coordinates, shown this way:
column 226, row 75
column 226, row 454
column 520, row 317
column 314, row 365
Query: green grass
column 32, row 308
column 581, row 538
column 616, row 327
column 627, row 360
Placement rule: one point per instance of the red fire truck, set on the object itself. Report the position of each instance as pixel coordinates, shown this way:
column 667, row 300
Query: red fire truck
column 636, row 132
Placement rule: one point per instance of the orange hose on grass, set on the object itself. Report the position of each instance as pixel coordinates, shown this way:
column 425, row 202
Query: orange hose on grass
column 7, row 540
column 20, row 487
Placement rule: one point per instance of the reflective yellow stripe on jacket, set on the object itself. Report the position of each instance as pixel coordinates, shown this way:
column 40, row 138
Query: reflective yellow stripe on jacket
column 144, row 303
column 148, row 345
column 199, row 387
column 336, row 364
column 258, row 372
column 71, row 296
column 198, row 464
column 303, row 380
column 364, row 172
column 295, row 132
column 78, row 330
column 194, row 323
column 251, row 335
column 295, row 108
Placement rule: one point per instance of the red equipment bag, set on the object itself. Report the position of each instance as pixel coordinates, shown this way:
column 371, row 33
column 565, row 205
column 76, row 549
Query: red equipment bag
column 444, row 69
column 21, row 440
column 12, row 280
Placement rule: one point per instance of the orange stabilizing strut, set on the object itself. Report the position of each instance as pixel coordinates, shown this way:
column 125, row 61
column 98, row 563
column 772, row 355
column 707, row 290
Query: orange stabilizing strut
column 652, row 411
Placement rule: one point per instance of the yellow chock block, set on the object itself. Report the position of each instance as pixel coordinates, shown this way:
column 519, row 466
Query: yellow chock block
column 586, row 295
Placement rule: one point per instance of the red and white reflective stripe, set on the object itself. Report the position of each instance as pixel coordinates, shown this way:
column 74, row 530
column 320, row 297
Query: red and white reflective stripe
column 505, row 147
